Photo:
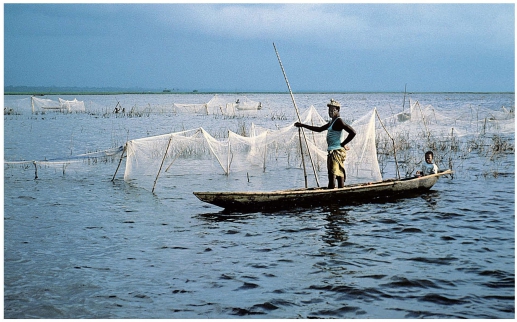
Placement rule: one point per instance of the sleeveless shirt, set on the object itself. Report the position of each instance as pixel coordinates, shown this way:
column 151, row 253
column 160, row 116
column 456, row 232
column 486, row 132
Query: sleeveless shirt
column 333, row 138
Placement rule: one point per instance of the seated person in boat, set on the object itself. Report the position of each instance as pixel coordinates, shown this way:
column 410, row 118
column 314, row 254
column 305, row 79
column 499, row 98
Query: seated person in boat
column 336, row 149
column 428, row 167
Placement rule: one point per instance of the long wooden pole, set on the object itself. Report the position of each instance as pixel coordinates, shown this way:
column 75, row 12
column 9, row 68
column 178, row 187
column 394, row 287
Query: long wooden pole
column 300, row 130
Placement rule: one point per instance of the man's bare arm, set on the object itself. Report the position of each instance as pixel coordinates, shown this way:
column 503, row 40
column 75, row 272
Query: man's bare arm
column 313, row 128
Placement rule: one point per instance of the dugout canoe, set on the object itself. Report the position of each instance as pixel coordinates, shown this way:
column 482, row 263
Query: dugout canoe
column 314, row 197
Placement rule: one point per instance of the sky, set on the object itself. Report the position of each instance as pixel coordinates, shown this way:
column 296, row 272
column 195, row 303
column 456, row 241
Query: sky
column 343, row 47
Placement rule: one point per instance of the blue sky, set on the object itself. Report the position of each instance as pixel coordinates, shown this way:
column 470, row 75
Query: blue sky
column 229, row 47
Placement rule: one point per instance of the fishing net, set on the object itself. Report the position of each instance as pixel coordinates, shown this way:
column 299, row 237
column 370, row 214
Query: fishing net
column 196, row 151
column 452, row 134
column 219, row 105
column 72, row 106
column 215, row 105
column 66, row 164
column 42, row 104
column 453, row 129
column 466, row 120
column 245, row 104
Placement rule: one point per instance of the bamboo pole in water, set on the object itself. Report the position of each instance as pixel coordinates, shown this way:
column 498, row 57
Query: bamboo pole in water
column 119, row 162
column 161, row 165
column 229, row 152
column 35, row 170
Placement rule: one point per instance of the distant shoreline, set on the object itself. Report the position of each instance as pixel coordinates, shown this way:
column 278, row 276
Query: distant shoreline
column 42, row 93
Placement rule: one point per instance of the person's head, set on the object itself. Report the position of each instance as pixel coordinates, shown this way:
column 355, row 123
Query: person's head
column 429, row 157
column 334, row 107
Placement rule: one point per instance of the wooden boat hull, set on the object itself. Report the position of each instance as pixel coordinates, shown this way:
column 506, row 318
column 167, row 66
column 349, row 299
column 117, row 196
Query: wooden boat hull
column 313, row 197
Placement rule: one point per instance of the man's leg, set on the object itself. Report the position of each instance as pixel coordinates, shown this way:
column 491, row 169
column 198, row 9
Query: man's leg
column 332, row 177
column 340, row 182
column 332, row 181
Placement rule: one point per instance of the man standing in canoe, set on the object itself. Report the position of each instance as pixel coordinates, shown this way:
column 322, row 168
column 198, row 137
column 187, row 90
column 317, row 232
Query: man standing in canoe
column 336, row 149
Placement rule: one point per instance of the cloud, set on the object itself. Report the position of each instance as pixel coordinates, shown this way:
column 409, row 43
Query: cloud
column 331, row 26
column 260, row 21
column 365, row 26
column 255, row 21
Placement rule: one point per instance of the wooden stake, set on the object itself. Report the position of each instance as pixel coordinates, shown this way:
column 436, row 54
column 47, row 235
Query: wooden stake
column 119, row 162
column 393, row 141
column 229, row 153
column 265, row 153
column 161, row 165
column 404, row 103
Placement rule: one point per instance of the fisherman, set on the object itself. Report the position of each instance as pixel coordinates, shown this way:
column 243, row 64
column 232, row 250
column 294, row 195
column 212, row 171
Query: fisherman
column 336, row 149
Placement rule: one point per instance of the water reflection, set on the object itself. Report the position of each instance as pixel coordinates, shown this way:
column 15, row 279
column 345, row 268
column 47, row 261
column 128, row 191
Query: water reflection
column 223, row 216
column 336, row 218
column 431, row 199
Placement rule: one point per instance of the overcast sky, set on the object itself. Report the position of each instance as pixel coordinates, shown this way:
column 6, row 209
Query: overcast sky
column 229, row 47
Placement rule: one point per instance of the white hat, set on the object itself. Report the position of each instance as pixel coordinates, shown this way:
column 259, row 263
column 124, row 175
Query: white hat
column 334, row 103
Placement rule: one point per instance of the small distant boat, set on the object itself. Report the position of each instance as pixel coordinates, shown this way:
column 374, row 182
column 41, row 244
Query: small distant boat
column 314, row 197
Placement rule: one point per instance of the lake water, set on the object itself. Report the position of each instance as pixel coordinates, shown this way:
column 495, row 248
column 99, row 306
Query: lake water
column 79, row 245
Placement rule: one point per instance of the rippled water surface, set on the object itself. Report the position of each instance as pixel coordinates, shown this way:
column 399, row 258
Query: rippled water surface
column 77, row 245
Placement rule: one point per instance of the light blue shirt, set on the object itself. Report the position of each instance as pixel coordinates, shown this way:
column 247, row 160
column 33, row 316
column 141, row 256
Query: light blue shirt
column 333, row 138
column 429, row 168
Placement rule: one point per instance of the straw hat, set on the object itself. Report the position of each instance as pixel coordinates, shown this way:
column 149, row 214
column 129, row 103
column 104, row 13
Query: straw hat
column 334, row 103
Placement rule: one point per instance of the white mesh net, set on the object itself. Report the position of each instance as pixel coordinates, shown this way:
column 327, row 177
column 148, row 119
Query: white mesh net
column 72, row 106
column 245, row 104
column 451, row 133
column 189, row 151
column 45, row 104
column 219, row 105
column 465, row 120
column 264, row 139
